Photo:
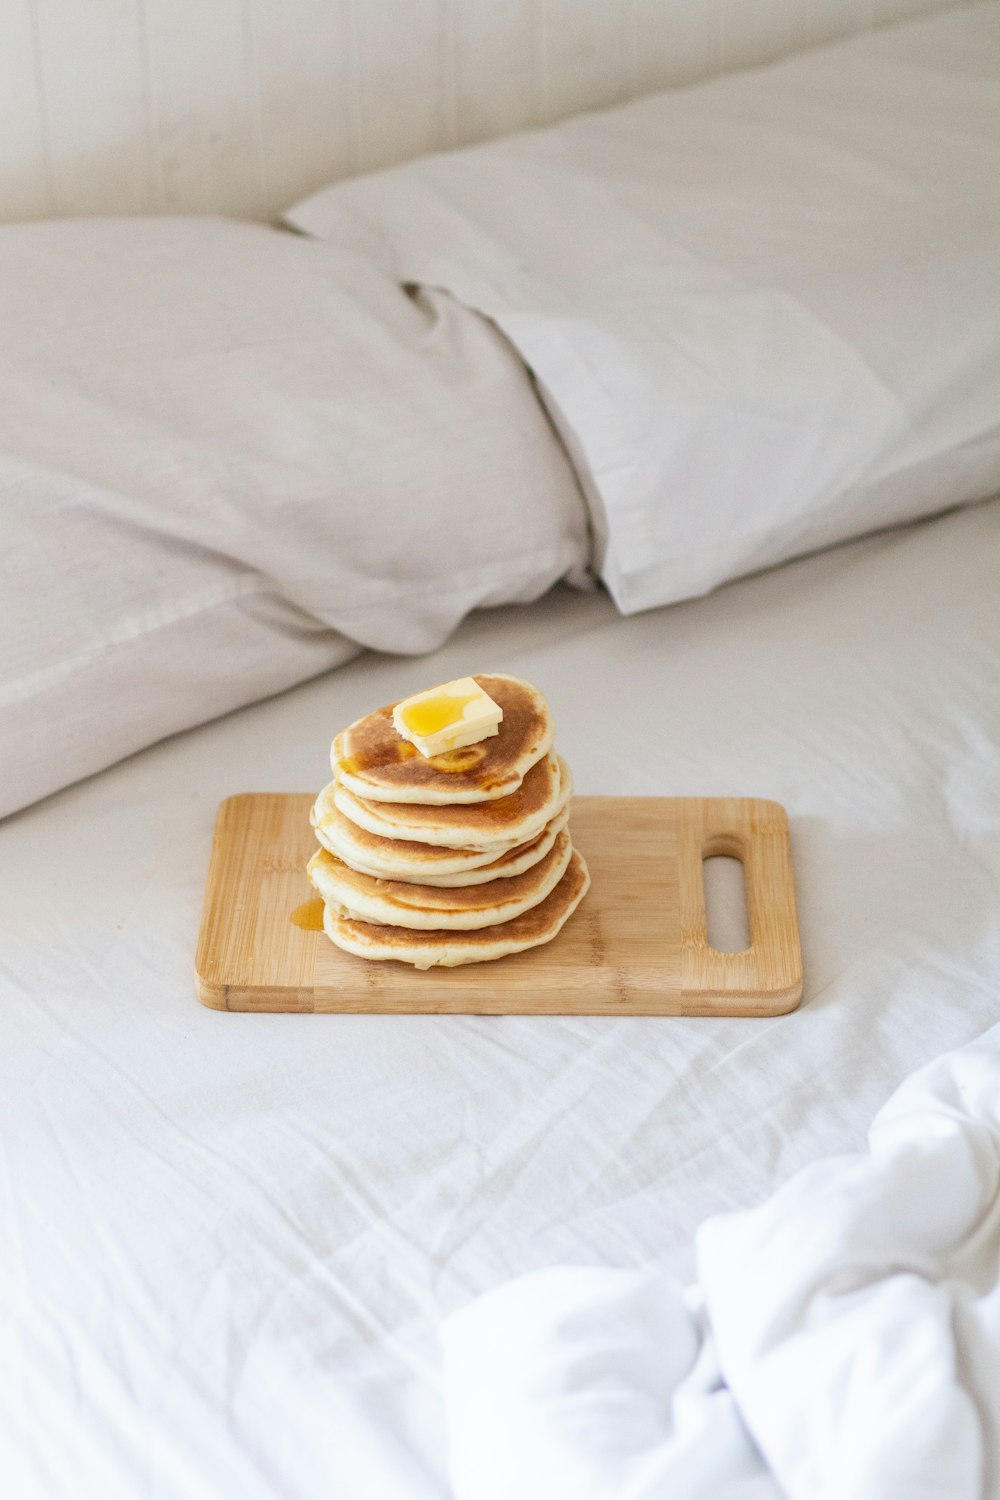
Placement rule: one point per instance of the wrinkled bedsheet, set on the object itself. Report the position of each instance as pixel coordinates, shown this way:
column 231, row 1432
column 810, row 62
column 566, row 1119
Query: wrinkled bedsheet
column 227, row 1242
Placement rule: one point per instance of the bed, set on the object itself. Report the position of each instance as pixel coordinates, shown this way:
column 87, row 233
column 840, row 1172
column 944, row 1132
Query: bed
column 240, row 1238
column 230, row 1242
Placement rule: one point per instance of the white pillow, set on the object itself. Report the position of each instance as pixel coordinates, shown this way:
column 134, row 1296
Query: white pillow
column 230, row 456
column 763, row 311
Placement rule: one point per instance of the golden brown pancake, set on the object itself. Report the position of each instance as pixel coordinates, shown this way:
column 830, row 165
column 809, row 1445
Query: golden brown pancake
column 429, row 864
column 374, row 762
column 400, row 903
column 447, row 949
column 475, row 825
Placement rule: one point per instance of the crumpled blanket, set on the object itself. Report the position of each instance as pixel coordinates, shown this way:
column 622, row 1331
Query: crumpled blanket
column 842, row 1341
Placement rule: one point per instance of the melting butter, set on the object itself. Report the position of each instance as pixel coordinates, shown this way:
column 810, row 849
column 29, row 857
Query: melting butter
column 448, row 717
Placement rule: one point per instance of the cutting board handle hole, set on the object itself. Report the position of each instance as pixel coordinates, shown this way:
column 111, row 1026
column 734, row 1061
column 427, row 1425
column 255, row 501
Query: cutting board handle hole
column 724, row 886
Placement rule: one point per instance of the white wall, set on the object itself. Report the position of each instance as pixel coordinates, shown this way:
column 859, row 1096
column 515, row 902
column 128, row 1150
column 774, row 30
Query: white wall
column 239, row 106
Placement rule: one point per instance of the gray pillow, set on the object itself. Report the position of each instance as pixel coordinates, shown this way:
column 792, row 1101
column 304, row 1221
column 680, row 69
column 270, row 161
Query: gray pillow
column 230, row 457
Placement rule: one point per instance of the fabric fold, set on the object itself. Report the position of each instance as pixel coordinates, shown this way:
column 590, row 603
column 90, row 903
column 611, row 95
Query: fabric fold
column 842, row 1341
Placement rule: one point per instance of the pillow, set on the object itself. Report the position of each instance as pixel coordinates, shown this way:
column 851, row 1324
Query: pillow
column 762, row 311
column 229, row 457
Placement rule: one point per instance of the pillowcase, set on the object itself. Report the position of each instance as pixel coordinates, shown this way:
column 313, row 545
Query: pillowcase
column 762, row 311
column 230, row 457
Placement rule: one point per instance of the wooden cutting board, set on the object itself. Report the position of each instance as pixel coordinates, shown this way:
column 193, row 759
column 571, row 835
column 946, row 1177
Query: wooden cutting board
column 637, row 945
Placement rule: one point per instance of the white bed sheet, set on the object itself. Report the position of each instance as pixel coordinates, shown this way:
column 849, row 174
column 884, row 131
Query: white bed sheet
column 227, row 1241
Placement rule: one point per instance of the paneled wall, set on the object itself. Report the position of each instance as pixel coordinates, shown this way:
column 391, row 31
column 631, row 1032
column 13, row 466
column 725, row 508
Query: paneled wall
column 240, row 106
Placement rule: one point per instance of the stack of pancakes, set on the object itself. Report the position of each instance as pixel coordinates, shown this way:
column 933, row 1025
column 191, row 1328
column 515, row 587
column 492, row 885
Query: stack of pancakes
column 452, row 859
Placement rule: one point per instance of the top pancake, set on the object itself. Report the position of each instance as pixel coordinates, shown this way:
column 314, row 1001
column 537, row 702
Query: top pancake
column 373, row 761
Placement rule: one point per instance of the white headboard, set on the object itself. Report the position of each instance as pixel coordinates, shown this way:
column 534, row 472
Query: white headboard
column 240, row 106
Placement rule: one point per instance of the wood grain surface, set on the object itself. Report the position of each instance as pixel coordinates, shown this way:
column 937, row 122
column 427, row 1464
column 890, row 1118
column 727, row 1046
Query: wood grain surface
column 638, row 944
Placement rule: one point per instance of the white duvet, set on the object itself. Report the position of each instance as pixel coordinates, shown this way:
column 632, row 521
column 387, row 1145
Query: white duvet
column 228, row 1242
column 842, row 1343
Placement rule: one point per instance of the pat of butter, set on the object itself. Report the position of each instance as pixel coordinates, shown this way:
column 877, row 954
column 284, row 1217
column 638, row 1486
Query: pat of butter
column 448, row 717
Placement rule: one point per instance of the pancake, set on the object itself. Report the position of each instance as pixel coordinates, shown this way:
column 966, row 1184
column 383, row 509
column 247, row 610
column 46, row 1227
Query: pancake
column 438, row 947
column 429, row 864
column 374, row 762
column 495, row 825
column 399, row 903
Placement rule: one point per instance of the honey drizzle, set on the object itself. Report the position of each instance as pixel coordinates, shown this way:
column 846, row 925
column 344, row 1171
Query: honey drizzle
column 456, row 761
column 451, row 762
column 309, row 916
column 390, row 754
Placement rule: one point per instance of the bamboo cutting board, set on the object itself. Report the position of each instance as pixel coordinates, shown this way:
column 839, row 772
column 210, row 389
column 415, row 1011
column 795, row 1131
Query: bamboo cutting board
column 637, row 945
